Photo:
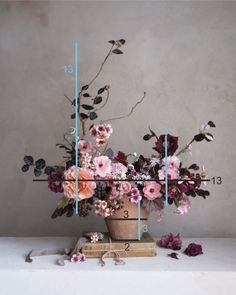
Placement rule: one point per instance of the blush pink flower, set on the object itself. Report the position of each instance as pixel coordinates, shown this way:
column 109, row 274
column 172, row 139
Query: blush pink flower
column 173, row 162
column 172, row 173
column 152, row 190
column 126, row 187
column 85, row 146
column 86, row 188
column 118, row 170
column 183, row 207
column 102, row 165
column 78, row 258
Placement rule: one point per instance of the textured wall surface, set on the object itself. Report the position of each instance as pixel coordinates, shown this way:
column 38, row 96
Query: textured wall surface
column 181, row 53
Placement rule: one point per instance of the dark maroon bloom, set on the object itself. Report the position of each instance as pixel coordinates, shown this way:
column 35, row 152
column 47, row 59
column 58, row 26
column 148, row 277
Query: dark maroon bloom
column 55, row 181
column 121, row 157
column 172, row 145
column 193, row 250
column 176, row 191
column 171, row 242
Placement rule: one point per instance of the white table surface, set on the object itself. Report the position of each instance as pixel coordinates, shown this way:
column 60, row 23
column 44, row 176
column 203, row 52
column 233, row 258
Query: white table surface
column 213, row 273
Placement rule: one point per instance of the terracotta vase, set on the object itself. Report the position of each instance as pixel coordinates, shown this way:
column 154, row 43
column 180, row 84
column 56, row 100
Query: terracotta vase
column 123, row 224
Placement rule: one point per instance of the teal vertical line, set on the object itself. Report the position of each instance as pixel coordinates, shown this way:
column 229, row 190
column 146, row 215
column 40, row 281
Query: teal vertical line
column 166, row 166
column 139, row 235
column 76, row 129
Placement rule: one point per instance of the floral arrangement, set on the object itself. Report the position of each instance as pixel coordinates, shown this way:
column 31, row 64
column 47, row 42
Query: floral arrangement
column 110, row 177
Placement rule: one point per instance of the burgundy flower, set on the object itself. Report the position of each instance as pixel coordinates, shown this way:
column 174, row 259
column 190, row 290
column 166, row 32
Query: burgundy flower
column 121, row 157
column 55, row 181
column 193, row 250
column 176, row 191
column 171, row 242
column 172, row 146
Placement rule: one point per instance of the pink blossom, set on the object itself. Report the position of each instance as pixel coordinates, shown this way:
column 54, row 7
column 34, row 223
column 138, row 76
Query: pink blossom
column 126, row 187
column 173, row 162
column 85, row 146
column 172, row 173
column 152, row 190
column 135, row 196
column 102, row 209
column 102, row 165
column 101, row 132
column 183, row 207
column 118, row 170
column 79, row 257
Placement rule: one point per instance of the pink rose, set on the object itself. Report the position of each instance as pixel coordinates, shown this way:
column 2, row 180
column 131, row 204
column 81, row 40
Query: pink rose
column 135, row 196
column 173, row 162
column 152, row 190
column 85, row 146
column 172, row 173
column 102, row 165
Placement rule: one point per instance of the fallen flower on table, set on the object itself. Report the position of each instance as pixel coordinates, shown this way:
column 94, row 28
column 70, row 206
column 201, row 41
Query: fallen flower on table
column 170, row 241
column 173, row 255
column 193, row 250
column 78, row 258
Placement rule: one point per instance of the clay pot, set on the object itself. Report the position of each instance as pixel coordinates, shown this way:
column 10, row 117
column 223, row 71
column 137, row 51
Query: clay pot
column 123, row 224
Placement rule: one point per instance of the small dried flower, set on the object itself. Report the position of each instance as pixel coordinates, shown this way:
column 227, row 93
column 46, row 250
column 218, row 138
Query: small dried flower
column 78, row 257
column 171, row 242
column 193, row 250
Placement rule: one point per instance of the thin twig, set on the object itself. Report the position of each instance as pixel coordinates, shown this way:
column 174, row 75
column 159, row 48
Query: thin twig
column 101, row 67
column 185, row 148
column 130, row 112
column 68, row 99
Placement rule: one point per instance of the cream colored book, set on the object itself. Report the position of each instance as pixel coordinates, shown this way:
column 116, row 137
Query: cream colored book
column 146, row 247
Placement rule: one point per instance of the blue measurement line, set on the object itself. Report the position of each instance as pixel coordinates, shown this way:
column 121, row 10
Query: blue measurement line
column 76, row 129
column 166, row 165
column 139, row 229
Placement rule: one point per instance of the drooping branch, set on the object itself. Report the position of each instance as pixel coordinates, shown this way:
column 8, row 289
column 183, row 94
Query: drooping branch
column 130, row 112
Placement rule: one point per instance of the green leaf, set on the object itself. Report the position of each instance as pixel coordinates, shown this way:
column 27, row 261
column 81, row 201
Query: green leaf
column 84, row 116
column 109, row 153
column 72, row 116
column 63, row 202
column 117, row 51
column 112, row 42
column 87, row 107
column 193, row 167
column 97, row 100
column 199, row 137
column 211, row 124
column 85, row 87
column 93, row 116
column 122, row 41
column 101, row 90
column 86, row 94
column 147, row 137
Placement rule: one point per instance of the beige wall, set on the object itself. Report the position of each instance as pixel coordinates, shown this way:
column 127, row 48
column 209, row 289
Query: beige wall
column 182, row 53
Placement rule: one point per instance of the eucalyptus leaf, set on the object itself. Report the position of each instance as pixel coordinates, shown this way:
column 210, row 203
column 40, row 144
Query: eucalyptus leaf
column 97, row 100
column 29, row 160
column 40, row 164
column 93, row 116
column 87, row 107
column 25, row 168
